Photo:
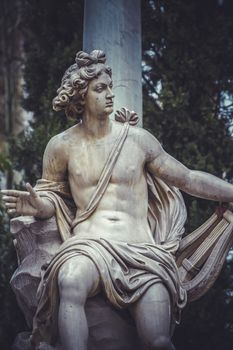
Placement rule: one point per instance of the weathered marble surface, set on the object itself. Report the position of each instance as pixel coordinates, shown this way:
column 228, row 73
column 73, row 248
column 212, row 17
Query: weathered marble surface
column 36, row 241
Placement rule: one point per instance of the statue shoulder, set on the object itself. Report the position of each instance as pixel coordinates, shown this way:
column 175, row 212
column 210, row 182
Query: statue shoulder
column 146, row 141
column 59, row 144
column 56, row 156
column 142, row 135
column 56, row 147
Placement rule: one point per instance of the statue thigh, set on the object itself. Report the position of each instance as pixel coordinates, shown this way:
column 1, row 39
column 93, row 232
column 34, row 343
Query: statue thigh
column 153, row 317
column 78, row 279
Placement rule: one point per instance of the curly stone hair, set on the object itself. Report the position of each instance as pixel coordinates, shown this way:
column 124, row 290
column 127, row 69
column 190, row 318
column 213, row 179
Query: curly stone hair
column 74, row 84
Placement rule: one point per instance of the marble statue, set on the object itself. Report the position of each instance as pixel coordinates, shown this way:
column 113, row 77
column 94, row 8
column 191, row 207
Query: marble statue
column 114, row 191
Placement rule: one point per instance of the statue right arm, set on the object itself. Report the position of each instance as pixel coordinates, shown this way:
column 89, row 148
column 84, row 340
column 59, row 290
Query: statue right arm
column 29, row 202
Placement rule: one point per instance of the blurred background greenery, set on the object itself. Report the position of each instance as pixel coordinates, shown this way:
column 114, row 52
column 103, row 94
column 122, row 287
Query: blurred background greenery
column 187, row 75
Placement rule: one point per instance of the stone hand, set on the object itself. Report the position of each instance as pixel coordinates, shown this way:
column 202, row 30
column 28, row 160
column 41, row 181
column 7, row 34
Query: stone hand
column 24, row 202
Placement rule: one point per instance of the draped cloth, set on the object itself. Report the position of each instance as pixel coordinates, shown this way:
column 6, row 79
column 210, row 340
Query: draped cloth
column 126, row 270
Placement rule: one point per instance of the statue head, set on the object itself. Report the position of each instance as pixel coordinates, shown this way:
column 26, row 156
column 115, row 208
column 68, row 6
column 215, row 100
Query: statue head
column 74, row 84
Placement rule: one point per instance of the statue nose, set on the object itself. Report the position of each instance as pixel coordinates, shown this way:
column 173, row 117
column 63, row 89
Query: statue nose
column 110, row 94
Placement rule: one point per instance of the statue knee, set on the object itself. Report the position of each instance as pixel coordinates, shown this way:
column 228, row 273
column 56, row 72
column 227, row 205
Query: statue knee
column 71, row 284
column 161, row 343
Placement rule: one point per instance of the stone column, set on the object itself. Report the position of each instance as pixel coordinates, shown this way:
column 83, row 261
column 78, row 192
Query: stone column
column 114, row 26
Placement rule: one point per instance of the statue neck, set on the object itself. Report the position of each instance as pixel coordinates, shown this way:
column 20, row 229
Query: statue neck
column 96, row 128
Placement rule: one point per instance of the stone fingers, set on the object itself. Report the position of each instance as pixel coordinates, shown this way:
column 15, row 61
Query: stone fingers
column 11, row 211
column 31, row 190
column 10, row 205
column 9, row 199
column 12, row 193
column 12, row 198
column 21, row 202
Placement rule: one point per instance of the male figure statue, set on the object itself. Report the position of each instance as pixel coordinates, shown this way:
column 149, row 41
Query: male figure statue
column 108, row 244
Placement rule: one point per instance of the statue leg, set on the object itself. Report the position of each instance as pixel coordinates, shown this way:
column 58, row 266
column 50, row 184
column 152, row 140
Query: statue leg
column 153, row 317
column 78, row 279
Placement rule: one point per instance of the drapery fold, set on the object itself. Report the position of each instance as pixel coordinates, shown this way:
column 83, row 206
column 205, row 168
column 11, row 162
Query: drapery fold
column 126, row 271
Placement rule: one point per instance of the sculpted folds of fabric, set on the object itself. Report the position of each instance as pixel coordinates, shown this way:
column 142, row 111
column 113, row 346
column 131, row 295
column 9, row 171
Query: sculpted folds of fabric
column 126, row 270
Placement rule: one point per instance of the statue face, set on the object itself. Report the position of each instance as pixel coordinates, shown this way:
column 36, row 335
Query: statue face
column 99, row 97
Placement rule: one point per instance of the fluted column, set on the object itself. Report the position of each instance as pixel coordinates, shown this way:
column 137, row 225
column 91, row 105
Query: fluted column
column 114, row 26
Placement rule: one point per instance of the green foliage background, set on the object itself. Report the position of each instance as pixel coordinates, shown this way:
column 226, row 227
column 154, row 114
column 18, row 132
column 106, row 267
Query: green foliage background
column 187, row 74
column 188, row 50
column 53, row 34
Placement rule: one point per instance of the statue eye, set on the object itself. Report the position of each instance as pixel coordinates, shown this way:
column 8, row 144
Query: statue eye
column 99, row 88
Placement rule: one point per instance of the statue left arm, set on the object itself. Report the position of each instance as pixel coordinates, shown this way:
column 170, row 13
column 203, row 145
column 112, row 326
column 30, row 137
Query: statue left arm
column 196, row 183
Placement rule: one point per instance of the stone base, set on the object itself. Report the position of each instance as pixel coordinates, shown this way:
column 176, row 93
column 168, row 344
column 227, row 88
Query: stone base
column 109, row 329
